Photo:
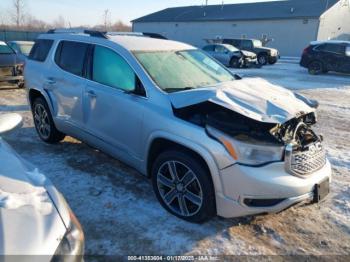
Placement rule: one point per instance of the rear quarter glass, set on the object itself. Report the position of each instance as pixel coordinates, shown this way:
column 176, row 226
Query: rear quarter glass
column 40, row 50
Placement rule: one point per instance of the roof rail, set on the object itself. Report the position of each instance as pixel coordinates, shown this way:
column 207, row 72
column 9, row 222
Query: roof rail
column 125, row 33
column 93, row 33
column 141, row 34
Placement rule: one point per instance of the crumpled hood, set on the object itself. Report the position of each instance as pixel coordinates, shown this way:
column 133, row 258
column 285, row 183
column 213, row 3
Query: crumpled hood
column 265, row 48
column 255, row 98
column 248, row 54
column 29, row 222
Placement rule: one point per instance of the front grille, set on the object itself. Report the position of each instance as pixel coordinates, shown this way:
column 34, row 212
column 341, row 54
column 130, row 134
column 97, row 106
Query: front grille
column 305, row 162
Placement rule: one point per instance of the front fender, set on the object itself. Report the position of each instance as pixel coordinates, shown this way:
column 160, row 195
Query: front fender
column 208, row 158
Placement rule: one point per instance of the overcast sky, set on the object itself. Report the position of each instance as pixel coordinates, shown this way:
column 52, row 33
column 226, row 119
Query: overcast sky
column 90, row 12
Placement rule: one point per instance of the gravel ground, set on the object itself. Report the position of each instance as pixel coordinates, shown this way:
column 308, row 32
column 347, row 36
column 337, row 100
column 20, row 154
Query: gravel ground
column 121, row 216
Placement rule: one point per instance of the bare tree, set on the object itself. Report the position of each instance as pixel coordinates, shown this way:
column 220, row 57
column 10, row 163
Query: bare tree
column 119, row 26
column 18, row 12
column 106, row 19
column 2, row 18
column 60, row 22
column 34, row 24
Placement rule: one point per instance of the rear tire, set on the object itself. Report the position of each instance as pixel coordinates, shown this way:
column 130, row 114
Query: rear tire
column 316, row 68
column 43, row 122
column 183, row 186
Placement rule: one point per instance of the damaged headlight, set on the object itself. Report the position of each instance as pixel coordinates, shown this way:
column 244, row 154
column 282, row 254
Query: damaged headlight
column 248, row 153
column 19, row 69
column 71, row 247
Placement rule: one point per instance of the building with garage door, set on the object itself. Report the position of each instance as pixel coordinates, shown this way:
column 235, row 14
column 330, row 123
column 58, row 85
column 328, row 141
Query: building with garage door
column 286, row 25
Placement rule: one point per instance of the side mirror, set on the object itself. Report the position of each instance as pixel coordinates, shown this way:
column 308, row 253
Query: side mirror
column 238, row 76
column 10, row 122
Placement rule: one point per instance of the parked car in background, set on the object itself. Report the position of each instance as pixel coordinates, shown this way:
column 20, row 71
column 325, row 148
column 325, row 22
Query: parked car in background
column 35, row 218
column 321, row 57
column 11, row 66
column 22, row 48
column 265, row 54
column 212, row 144
column 231, row 56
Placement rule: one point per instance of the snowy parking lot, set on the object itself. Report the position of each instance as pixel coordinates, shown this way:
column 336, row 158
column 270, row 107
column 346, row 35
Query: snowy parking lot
column 121, row 216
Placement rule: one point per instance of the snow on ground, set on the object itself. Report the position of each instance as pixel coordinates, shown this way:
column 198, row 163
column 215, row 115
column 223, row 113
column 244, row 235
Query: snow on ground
column 121, row 216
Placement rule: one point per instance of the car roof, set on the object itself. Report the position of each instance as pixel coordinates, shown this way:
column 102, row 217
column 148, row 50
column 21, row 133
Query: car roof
column 330, row 42
column 129, row 42
column 2, row 43
column 21, row 42
column 138, row 43
column 225, row 45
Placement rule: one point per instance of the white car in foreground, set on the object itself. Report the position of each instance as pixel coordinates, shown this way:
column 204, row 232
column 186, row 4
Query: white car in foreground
column 34, row 217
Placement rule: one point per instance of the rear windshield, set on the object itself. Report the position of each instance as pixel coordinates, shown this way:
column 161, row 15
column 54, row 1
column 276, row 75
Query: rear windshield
column 257, row 43
column 180, row 70
column 25, row 48
column 231, row 48
column 40, row 50
column 5, row 49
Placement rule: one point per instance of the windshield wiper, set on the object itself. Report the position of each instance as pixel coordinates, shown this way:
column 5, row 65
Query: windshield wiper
column 170, row 90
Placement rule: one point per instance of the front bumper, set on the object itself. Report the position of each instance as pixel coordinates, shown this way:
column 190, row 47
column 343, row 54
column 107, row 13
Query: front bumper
column 72, row 244
column 11, row 80
column 265, row 183
column 248, row 62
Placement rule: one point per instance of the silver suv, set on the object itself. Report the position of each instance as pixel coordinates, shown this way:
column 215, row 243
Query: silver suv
column 212, row 143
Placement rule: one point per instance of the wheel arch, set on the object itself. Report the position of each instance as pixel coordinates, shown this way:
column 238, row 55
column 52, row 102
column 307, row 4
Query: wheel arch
column 262, row 53
column 35, row 93
column 160, row 143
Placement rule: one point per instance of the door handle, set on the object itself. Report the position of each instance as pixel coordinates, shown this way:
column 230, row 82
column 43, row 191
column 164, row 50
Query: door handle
column 91, row 94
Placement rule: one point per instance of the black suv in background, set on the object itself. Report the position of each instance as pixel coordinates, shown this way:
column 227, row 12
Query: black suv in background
column 321, row 57
column 265, row 54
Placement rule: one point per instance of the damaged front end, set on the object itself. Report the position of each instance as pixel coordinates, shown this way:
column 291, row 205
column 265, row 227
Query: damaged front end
column 256, row 143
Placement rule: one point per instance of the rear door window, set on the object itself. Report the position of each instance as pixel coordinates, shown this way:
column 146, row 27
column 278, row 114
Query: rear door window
column 112, row 70
column 235, row 43
column 246, row 44
column 40, row 50
column 220, row 49
column 333, row 48
column 71, row 56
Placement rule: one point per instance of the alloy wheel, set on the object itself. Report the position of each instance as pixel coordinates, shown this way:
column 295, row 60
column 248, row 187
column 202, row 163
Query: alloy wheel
column 262, row 60
column 315, row 68
column 179, row 188
column 42, row 121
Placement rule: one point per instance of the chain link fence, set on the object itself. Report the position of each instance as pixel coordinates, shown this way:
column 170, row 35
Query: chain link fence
column 8, row 35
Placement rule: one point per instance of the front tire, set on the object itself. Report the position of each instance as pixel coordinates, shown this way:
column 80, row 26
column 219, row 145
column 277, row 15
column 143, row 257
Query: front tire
column 183, row 186
column 235, row 62
column 43, row 122
column 316, row 68
column 262, row 59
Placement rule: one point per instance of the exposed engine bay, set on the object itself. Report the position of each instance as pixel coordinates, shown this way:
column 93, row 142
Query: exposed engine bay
column 297, row 130
column 301, row 149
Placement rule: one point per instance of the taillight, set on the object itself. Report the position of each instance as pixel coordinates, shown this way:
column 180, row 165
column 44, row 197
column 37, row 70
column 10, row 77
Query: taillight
column 305, row 51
